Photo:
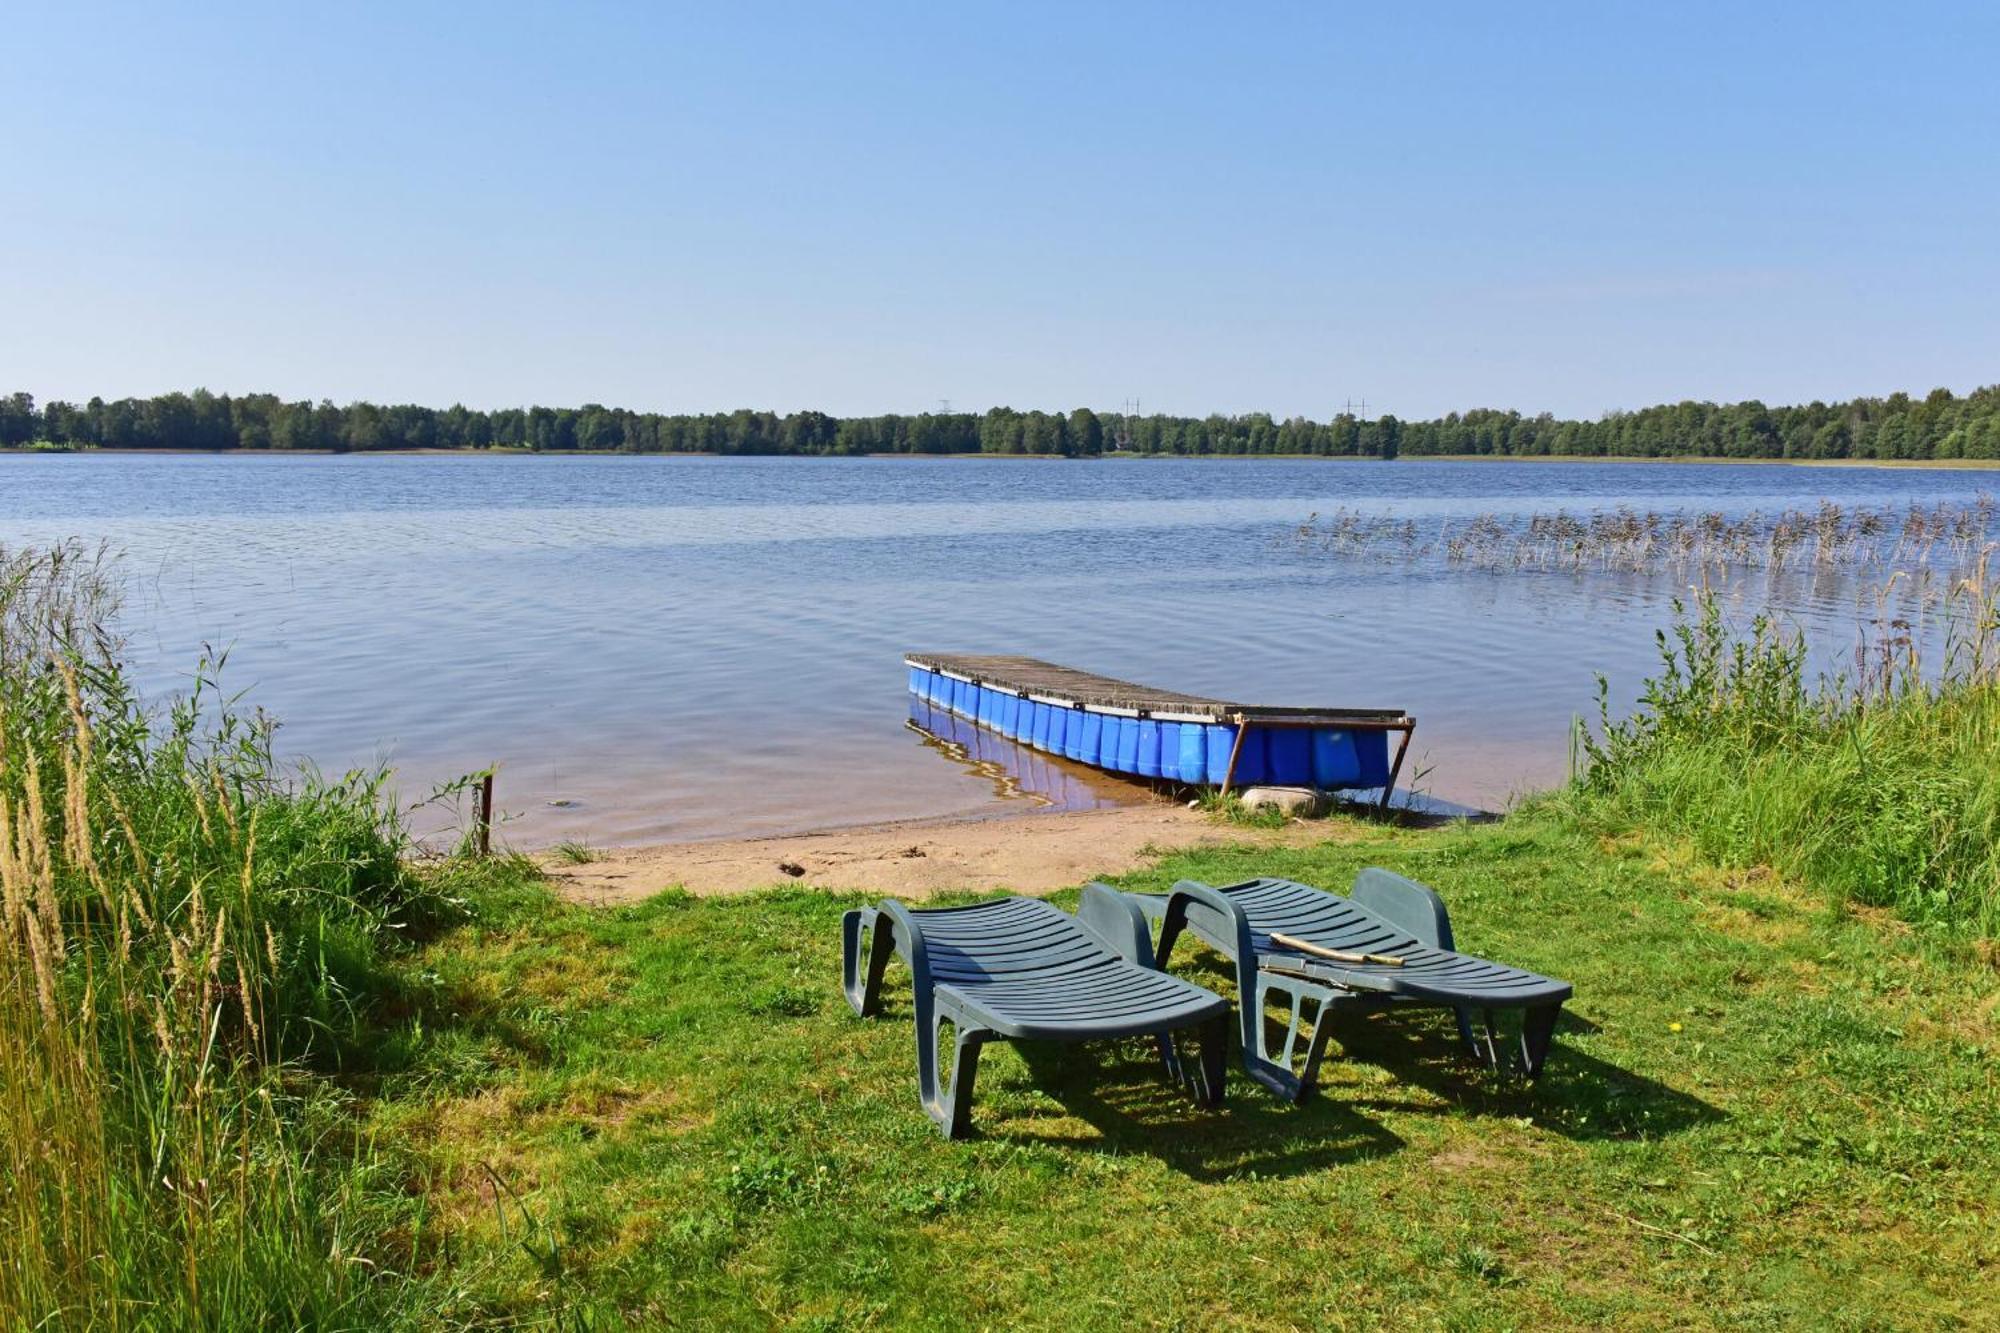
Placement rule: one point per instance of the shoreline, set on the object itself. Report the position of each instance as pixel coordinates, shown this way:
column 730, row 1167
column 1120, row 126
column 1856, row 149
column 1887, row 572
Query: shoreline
column 1920, row 464
column 1033, row 852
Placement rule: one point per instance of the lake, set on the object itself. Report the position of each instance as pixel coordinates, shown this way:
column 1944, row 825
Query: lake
column 667, row 648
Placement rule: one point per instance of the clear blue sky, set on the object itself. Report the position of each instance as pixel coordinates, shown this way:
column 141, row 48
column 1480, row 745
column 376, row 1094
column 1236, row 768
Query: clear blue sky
column 869, row 208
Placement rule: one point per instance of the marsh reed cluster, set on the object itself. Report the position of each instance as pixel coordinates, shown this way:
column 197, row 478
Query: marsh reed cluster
column 1624, row 540
column 1879, row 785
column 186, row 936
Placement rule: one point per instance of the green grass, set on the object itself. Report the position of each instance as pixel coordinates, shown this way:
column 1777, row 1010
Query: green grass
column 1766, row 1111
column 1229, row 806
column 574, row 852
column 194, row 949
column 1882, row 790
column 259, row 1069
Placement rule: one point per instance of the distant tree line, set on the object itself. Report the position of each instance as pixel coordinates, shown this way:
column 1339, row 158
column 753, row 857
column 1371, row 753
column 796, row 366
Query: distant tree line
column 1939, row 425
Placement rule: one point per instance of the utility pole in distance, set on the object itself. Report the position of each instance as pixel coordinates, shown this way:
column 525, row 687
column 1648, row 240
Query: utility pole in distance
column 1124, row 437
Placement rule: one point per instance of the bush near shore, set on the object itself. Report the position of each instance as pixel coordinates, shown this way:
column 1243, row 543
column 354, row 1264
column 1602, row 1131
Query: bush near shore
column 1881, row 789
column 191, row 942
column 259, row 1069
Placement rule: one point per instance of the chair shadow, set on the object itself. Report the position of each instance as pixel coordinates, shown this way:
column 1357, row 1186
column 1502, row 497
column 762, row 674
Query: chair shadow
column 1121, row 1090
column 1578, row 1095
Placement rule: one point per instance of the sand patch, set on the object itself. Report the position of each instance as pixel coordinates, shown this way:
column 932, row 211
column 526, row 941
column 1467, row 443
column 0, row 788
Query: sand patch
column 1030, row 853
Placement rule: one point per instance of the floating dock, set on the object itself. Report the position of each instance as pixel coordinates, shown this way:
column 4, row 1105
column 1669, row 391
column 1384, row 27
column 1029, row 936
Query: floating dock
column 1148, row 733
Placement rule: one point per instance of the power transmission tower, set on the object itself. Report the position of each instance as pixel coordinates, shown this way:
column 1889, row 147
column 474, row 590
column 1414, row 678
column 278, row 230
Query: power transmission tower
column 1124, row 437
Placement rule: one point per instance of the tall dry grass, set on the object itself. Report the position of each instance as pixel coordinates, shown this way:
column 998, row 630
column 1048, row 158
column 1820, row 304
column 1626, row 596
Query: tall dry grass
column 184, row 933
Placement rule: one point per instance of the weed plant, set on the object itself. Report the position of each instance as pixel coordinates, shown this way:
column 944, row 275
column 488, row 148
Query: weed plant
column 186, row 935
column 1880, row 786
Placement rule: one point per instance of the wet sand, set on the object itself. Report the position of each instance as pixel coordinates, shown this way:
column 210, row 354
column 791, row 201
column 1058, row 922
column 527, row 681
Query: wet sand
column 1029, row 853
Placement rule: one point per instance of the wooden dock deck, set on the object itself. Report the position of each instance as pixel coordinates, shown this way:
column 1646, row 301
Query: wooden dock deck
column 1050, row 683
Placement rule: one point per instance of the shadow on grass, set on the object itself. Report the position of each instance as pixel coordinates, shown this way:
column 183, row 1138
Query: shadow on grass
column 1127, row 1097
column 1578, row 1095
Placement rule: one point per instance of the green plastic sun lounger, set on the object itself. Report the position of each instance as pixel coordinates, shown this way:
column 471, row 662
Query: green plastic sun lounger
column 1386, row 917
column 1018, row 969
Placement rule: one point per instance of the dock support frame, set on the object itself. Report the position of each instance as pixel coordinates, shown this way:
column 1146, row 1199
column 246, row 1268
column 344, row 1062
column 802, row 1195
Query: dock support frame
column 1407, row 726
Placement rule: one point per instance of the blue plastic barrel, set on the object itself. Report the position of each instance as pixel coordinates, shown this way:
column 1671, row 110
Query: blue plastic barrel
column 1107, row 744
column 1170, row 751
column 1003, row 712
column 1149, row 748
column 1219, row 741
column 1291, row 757
column 1093, row 738
column 1039, row 737
column 1333, row 760
column 1128, row 745
column 1193, row 763
column 1073, row 733
column 1253, row 762
column 1371, row 754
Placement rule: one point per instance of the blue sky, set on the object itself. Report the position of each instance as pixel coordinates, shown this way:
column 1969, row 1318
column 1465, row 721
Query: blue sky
column 870, row 208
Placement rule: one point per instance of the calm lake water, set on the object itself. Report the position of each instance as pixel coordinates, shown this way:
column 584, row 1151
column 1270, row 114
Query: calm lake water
column 682, row 648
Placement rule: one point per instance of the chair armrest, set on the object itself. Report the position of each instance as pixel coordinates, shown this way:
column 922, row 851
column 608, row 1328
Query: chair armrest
column 1214, row 916
column 1404, row 902
column 1115, row 919
column 909, row 937
column 868, row 936
column 1221, row 920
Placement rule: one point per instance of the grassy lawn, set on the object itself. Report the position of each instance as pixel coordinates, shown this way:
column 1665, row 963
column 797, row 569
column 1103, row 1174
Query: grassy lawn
column 263, row 1067
column 1765, row 1111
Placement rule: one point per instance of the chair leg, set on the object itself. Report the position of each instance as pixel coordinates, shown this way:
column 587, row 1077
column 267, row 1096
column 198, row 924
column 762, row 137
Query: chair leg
column 1315, row 1053
column 1170, row 1056
column 1538, row 1029
column 1465, row 1032
column 1214, row 1060
column 864, row 990
column 1531, row 1044
column 1486, row 1040
column 1272, row 1070
column 950, row 1108
column 1204, row 1084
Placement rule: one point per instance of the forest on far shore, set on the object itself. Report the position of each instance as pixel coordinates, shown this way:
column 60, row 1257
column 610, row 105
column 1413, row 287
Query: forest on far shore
column 1940, row 425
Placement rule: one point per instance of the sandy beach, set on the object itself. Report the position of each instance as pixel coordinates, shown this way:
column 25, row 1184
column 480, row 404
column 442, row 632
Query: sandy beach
column 1030, row 853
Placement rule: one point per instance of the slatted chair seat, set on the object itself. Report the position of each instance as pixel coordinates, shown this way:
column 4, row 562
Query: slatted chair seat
column 1386, row 915
column 1440, row 976
column 1019, row 969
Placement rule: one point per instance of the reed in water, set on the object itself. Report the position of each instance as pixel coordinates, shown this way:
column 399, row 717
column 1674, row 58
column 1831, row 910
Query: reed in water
column 1880, row 785
column 1625, row 540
